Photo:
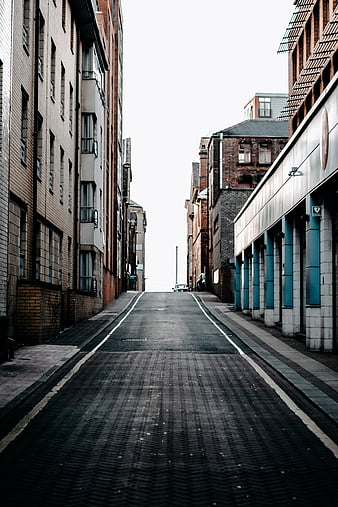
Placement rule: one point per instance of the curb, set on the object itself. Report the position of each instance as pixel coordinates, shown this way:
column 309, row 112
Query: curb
column 317, row 397
column 19, row 398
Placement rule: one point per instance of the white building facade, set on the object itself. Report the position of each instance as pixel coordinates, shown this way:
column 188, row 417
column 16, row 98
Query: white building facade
column 286, row 235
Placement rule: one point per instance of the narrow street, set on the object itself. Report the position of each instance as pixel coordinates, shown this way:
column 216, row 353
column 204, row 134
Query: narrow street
column 165, row 408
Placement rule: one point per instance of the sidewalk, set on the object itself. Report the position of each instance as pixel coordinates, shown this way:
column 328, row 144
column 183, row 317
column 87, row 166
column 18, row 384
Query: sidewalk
column 32, row 365
column 314, row 374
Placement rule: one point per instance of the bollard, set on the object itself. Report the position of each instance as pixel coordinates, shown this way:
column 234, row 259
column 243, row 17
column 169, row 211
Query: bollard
column 11, row 347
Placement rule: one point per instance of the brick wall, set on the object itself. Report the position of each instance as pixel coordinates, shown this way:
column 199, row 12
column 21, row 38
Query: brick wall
column 38, row 312
column 44, row 310
column 227, row 206
column 233, row 171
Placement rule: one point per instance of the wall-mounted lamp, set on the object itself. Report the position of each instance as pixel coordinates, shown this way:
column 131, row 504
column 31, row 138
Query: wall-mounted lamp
column 294, row 171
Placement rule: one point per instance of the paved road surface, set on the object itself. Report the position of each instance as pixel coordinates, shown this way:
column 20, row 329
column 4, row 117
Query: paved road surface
column 163, row 410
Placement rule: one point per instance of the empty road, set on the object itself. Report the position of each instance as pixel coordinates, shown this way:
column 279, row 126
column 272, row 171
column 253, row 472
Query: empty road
column 165, row 408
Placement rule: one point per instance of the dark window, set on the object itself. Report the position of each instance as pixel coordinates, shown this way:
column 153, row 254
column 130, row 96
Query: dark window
column 264, row 110
column 244, row 153
column 24, row 125
column 41, row 46
column 25, row 24
column 52, row 70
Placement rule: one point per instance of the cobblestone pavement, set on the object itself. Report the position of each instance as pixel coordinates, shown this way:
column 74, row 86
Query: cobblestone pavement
column 167, row 413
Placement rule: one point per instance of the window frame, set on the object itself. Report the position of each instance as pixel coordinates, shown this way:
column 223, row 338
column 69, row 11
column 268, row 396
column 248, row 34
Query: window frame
column 244, row 153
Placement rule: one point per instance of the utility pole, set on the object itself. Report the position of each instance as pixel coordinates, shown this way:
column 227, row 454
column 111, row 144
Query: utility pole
column 176, row 264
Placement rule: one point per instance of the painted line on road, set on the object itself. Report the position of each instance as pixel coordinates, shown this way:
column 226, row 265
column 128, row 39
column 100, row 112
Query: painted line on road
column 309, row 423
column 23, row 423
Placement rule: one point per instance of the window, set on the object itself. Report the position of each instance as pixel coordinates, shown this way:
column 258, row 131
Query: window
column 39, row 148
column 70, row 185
column 89, row 143
column 38, row 251
column 91, row 66
column 52, row 70
column 50, row 256
column 69, row 250
column 71, row 98
column 87, row 63
column 25, row 24
column 72, row 35
column 308, row 48
column 264, row 155
column 64, row 14
column 264, row 108
column 59, row 260
column 62, row 173
column 326, row 12
column 41, row 47
column 245, row 181
column 62, row 92
column 23, row 243
column 24, row 126
column 87, row 202
column 244, row 154
column 51, row 161
column 216, row 223
column 87, row 283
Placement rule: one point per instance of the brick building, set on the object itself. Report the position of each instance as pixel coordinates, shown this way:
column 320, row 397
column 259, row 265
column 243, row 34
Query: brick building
column 64, row 163
column 232, row 163
column 197, row 221
column 114, row 212
column 238, row 158
column 286, row 235
column 5, row 94
column 127, row 179
column 137, row 229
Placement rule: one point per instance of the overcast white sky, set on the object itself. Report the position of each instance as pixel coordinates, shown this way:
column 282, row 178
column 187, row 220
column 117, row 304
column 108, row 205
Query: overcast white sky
column 190, row 66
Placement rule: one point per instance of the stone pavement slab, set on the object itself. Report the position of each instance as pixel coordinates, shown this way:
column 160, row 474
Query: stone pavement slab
column 32, row 365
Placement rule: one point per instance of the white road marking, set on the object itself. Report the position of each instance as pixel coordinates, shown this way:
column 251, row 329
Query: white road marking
column 23, row 423
column 309, row 423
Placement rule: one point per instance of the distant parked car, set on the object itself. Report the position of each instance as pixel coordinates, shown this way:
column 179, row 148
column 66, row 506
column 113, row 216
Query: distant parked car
column 180, row 287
